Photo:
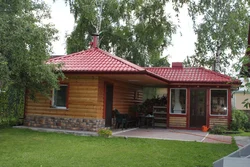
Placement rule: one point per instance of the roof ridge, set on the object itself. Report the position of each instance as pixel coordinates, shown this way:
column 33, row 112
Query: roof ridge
column 156, row 67
column 69, row 55
column 216, row 73
column 122, row 60
column 193, row 72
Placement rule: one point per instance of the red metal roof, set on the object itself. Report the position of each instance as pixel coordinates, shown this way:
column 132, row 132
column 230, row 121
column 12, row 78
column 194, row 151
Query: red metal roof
column 95, row 60
column 99, row 61
column 191, row 74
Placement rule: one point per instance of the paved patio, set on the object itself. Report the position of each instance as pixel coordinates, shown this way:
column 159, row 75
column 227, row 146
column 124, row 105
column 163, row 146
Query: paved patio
column 174, row 134
column 157, row 133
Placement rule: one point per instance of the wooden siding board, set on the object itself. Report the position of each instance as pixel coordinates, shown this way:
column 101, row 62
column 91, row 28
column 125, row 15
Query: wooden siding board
column 123, row 95
column 177, row 122
column 218, row 121
column 82, row 101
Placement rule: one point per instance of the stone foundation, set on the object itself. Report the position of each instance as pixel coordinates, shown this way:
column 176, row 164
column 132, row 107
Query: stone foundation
column 64, row 123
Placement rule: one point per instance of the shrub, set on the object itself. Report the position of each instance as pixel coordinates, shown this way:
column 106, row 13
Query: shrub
column 239, row 120
column 218, row 129
column 247, row 126
column 104, row 132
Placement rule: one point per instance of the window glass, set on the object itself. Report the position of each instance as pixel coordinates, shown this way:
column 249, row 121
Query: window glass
column 178, row 101
column 219, row 102
column 60, row 96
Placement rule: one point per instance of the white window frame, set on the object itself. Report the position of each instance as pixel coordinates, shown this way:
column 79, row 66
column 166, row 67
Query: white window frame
column 53, row 98
column 210, row 104
column 170, row 102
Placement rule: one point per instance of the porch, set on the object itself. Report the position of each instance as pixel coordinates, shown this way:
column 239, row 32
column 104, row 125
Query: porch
column 184, row 107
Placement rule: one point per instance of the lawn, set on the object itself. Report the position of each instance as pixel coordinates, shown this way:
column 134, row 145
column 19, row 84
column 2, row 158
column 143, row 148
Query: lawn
column 241, row 134
column 20, row 147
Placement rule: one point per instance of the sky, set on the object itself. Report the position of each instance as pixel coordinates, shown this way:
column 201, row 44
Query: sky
column 182, row 41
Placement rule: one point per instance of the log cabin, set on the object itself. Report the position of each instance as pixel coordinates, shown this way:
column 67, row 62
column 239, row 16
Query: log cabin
column 97, row 82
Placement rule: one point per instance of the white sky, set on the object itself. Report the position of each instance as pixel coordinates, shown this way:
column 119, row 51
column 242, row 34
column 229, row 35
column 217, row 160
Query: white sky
column 182, row 45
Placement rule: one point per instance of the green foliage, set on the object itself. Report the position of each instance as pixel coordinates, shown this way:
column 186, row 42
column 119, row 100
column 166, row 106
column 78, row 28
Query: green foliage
column 218, row 129
column 104, row 132
column 222, row 32
column 247, row 126
column 4, row 73
column 239, row 120
column 25, row 44
column 246, row 103
column 11, row 107
column 138, row 31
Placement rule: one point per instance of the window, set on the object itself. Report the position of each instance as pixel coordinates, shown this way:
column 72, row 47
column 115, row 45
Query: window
column 59, row 99
column 219, row 102
column 178, row 101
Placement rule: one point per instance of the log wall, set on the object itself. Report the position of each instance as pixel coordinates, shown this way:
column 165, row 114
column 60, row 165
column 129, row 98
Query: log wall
column 86, row 98
column 222, row 121
column 177, row 122
column 82, row 100
column 124, row 95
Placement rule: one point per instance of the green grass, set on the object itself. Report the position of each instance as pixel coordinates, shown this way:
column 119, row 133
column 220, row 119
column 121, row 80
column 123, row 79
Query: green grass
column 19, row 147
column 240, row 134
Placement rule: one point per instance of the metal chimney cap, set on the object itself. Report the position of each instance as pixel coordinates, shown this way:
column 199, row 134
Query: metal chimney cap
column 95, row 34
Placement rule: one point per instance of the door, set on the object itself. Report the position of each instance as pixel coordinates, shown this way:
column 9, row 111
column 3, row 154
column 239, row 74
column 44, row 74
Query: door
column 197, row 108
column 109, row 105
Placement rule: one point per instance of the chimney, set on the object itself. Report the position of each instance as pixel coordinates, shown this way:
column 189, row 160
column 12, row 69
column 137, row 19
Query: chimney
column 95, row 40
column 177, row 65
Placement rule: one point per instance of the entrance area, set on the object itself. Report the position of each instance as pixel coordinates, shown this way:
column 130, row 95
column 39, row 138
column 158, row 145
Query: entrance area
column 109, row 105
column 197, row 108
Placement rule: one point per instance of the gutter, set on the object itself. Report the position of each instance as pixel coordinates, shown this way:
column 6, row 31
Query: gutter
column 119, row 72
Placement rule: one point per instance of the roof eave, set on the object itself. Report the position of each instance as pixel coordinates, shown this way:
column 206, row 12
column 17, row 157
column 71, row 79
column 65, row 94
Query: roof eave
column 104, row 72
column 118, row 72
column 206, row 83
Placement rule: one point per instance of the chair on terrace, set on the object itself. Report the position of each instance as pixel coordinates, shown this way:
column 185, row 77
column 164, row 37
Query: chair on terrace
column 122, row 119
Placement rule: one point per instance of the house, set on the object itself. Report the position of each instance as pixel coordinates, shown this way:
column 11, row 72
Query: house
column 243, row 93
column 97, row 82
column 239, row 96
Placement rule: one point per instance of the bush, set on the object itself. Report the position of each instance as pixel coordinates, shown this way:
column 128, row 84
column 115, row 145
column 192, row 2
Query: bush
column 104, row 132
column 11, row 107
column 247, row 126
column 218, row 129
column 239, row 120
column 8, row 122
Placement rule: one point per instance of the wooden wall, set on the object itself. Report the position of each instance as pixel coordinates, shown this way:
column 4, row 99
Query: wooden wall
column 86, row 98
column 123, row 94
column 223, row 121
column 82, row 101
column 177, row 121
